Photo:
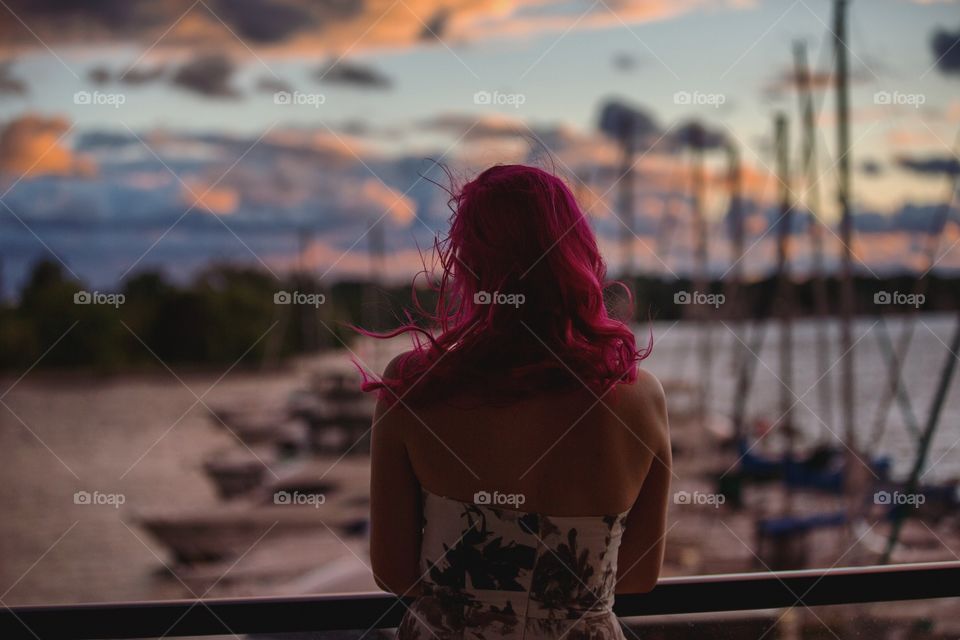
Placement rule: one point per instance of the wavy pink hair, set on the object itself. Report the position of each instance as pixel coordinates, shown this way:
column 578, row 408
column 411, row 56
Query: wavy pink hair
column 515, row 230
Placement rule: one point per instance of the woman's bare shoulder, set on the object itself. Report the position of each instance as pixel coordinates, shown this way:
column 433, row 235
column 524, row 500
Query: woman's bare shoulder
column 390, row 407
column 393, row 366
column 644, row 408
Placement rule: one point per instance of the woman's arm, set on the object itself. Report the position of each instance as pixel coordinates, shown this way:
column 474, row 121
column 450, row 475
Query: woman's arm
column 642, row 547
column 395, row 502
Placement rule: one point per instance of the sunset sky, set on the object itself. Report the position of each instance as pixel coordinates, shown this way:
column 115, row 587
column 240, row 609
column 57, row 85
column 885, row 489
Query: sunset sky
column 150, row 135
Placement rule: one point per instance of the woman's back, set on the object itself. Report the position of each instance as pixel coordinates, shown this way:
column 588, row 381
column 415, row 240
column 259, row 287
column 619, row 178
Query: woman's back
column 521, row 519
column 563, row 453
column 520, row 460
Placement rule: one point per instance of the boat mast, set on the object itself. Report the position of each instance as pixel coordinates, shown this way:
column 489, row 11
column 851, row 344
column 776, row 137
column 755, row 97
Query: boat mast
column 739, row 307
column 783, row 282
column 847, row 301
column 702, row 276
column 625, row 198
column 814, row 209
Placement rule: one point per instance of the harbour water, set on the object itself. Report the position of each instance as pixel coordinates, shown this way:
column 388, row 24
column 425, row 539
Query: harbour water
column 142, row 439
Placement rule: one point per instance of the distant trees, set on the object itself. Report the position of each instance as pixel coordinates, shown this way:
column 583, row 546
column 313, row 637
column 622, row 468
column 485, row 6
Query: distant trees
column 225, row 314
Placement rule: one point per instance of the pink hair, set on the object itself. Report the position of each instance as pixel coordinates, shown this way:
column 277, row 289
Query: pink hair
column 515, row 231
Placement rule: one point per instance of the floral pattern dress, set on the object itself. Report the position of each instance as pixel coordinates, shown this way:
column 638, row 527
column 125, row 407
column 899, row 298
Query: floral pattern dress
column 501, row 573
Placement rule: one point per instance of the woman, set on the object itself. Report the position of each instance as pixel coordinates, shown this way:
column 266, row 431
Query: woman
column 520, row 459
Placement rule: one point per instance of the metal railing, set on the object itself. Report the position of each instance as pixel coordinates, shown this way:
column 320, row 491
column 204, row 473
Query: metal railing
column 682, row 595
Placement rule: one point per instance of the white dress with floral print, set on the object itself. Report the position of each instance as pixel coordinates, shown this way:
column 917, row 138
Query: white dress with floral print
column 500, row 573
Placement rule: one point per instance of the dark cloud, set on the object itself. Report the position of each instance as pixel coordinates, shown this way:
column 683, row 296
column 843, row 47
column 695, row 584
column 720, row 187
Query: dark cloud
column 10, row 84
column 104, row 140
column 99, row 75
column 353, row 74
column 436, row 25
column 356, row 127
column 625, row 61
column 930, row 165
column 142, row 75
column 273, row 84
column 696, row 134
column 209, row 75
column 946, row 50
column 131, row 75
column 871, row 167
column 214, row 22
column 264, row 21
column 619, row 120
column 910, row 218
column 105, row 13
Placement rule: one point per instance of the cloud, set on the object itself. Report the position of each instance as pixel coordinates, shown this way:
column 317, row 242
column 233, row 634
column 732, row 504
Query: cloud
column 273, row 84
column 789, row 79
column 436, row 26
column 946, row 165
column 946, row 50
column 696, row 134
column 913, row 138
column 626, row 61
column 398, row 207
column 95, row 19
column 99, row 75
column 9, row 84
column 353, row 74
column 619, row 119
column 871, row 167
column 320, row 144
column 32, row 145
column 135, row 76
column 215, row 199
column 142, row 75
column 264, row 21
column 305, row 27
column 471, row 127
column 208, row 74
column 308, row 180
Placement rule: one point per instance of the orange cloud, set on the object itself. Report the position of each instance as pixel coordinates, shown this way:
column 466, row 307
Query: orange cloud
column 397, row 206
column 320, row 256
column 913, row 138
column 219, row 200
column 33, row 145
column 300, row 27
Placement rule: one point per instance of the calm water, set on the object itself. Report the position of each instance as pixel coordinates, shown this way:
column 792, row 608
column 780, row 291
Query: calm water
column 145, row 438
column 675, row 357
